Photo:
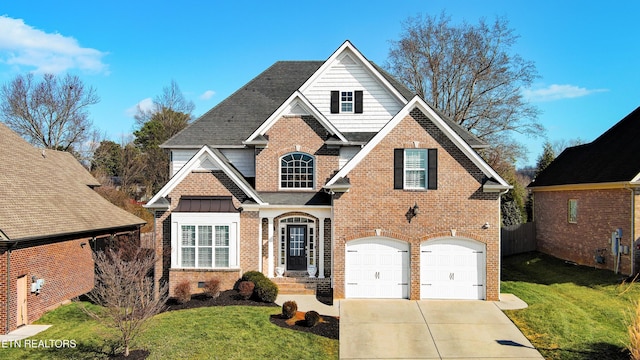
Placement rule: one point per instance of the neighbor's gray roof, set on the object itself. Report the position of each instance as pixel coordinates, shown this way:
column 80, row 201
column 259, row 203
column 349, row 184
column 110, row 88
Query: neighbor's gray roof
column 49, row 194
column 612, row 157
column 238, row 116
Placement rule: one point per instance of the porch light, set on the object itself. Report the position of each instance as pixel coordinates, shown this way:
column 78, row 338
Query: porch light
column 413, row 211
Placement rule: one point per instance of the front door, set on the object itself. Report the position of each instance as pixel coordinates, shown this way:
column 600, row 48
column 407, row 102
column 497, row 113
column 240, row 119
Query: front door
column 296, row 244
column 21, row 301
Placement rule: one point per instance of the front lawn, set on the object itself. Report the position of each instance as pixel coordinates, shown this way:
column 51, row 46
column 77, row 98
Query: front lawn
column 575, row 312
column 219, row 332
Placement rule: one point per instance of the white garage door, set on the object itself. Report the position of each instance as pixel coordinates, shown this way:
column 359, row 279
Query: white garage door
column 377, row 267
column 452, row 268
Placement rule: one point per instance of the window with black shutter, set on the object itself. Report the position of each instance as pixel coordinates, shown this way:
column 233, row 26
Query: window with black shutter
column 415, row 169
column 349, row 102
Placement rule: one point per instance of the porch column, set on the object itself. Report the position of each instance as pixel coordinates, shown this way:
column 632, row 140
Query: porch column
column 270, row 267
column 321, row 247
column 260, row 268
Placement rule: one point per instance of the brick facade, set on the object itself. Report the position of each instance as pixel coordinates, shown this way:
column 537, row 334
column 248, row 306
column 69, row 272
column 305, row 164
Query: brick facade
column 67, row 268
column 600, row 212
column 459, row 204
column 294, row 134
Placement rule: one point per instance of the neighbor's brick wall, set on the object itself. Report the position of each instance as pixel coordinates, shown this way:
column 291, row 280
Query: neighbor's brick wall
column 600, row 212
column 458, row 203
column 66, row 267
column 206, row 184
column 284, row 135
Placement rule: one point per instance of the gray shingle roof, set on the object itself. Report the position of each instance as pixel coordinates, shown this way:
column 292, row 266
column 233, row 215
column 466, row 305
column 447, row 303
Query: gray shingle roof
column 45, row 195
column 236, row 117
column 612, row 157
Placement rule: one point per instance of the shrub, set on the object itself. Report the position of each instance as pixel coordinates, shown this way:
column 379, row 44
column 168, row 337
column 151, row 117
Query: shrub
column 253, row 276
column 245, row 289
column 266, row 290
column 312, row 318
column 212, row 288
column 183, row 292
column 289, row 309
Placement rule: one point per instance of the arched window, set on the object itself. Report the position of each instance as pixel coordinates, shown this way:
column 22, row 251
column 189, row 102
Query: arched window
column 296, row 171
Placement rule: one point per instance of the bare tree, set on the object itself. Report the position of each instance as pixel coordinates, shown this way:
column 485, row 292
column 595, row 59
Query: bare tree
column 171, row 99
column 469, row 73
column 124, row 288
column 51, row 113
column 560, row 145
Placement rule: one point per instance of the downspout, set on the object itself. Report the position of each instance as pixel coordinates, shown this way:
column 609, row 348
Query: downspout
column 9, row 246
column 632, row 231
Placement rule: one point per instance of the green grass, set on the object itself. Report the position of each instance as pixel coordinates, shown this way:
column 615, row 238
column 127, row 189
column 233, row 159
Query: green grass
column 575, row 312
column 232, row 332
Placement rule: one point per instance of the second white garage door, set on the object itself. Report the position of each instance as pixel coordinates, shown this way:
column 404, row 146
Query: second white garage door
column 452, row 268
column 377, row 267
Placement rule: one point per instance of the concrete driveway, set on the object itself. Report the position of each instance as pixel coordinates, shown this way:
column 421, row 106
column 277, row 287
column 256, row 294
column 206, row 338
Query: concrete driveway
column 429, row 329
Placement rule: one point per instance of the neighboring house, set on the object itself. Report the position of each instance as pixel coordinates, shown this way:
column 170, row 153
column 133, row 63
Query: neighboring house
column 335, row 167
column 50, row 218
column 589, row 192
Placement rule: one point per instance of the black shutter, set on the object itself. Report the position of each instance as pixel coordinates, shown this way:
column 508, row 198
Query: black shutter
column 358, row 107
column 398, row 168
column 335, row 102
column 432, row 172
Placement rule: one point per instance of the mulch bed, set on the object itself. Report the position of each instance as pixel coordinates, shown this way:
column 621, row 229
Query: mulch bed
column 328, row 327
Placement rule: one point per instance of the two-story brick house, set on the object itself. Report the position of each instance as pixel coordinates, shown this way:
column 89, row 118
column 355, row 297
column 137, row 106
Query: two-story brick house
column 334, row 167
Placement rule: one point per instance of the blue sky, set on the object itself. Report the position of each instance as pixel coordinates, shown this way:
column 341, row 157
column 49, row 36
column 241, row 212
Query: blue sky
column 587, row 53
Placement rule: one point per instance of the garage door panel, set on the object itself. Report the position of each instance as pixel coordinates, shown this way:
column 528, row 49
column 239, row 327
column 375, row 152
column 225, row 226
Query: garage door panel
column 452, row 268
column 377, row 268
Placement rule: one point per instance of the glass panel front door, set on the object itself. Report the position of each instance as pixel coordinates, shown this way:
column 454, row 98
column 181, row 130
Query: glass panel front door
column 297, row 244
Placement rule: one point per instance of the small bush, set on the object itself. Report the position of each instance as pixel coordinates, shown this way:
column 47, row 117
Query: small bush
column 212, row 288
column 289, row 309
column 183, row 292
column 266, row 290
column 312, row 318
column 245, row 289
column 253, row 276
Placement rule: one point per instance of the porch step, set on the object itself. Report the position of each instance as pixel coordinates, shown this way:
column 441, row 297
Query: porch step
column 292, row 288
column 297, row 285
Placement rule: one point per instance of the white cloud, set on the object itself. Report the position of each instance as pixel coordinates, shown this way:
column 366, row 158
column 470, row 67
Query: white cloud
column 557, row 92
column 144, row 105
column 23, row 45
column 207, row 95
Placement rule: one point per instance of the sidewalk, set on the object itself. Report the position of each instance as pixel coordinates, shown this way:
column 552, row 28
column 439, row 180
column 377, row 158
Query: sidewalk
column 23, row 332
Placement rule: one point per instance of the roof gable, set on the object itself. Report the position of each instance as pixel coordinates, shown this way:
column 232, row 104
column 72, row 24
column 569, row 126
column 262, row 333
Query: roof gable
column 296, row 104
column 205, row 159
column 418, row 103
column 610, row 158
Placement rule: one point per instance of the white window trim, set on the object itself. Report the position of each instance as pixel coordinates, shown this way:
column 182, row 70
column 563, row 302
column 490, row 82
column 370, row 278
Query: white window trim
column 352, row 102
column 425, row 169
column 313, row 182
column 207, row 219
column 312, row 240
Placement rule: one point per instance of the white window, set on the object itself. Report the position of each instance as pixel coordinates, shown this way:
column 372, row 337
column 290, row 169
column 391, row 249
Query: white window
column 346, row 101
column 296, row 171
column 204, row 240
column 415, row 168
column 573, row 211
